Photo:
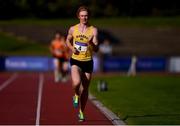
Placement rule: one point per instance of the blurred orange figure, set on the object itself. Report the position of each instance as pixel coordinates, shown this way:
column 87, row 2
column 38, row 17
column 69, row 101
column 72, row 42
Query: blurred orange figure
column 60, row 53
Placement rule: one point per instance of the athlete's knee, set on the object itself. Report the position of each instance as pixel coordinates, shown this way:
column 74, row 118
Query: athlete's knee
column 65, row 68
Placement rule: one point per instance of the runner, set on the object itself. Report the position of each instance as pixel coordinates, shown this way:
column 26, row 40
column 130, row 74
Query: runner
column 132, row 68
column 60, row 53
column 82, row 40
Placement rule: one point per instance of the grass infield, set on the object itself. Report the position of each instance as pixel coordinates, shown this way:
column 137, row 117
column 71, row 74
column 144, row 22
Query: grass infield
column 10, row 45
column 142, row 99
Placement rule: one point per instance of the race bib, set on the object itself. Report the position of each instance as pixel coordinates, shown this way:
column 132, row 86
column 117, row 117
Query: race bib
column 82, row 47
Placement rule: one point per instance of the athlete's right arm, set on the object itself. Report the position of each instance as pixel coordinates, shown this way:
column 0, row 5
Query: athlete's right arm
column 69, row 40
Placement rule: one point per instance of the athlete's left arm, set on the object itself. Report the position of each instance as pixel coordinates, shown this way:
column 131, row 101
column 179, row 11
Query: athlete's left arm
column 95, row 40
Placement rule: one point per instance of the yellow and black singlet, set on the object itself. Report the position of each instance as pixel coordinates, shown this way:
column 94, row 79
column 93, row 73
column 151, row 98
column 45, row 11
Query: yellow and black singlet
column 81, row 43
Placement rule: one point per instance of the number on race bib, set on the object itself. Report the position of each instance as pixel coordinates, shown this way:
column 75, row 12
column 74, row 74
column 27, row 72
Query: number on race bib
column 82, row 47
column 79, row 48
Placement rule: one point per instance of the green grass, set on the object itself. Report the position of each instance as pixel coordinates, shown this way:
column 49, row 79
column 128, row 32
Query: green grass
column 10, row 45
column 142, row 99
column 103, row 22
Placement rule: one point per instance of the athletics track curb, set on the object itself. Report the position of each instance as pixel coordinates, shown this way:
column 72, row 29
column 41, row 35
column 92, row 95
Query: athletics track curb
column 108, row 113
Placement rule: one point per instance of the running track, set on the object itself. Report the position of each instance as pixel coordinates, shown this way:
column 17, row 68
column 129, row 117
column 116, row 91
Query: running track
column 34, row 99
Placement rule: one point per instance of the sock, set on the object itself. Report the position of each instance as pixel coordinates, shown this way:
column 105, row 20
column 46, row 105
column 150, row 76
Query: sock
column 80, row 111
column 76, row 95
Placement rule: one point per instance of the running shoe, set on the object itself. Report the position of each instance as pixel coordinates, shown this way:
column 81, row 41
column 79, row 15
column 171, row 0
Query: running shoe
column 75, row 101
column 81, row 116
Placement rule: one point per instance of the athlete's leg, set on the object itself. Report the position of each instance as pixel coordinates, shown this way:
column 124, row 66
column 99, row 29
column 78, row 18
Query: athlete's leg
column 65, row 68
column 86, row 78
column 56, row 69
column 76, row 78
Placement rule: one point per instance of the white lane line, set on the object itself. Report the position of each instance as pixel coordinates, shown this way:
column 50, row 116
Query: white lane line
column 40, row 89
column 7, row 82
column 107, row 112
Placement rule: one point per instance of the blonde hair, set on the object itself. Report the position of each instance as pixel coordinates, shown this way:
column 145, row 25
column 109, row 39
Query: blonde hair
column 82, row 8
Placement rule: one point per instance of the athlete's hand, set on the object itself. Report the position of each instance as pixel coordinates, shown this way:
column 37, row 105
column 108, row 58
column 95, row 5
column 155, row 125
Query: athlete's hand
column 95, row 47
column 58, row 52
column 75, row 51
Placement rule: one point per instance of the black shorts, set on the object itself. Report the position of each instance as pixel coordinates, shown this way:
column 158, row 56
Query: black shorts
column 85, row 66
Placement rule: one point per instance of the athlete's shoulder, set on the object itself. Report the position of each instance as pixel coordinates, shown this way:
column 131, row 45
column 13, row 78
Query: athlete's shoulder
column 92, row 26
column 71, row 29
column 75, row 25
column 95, row 30
column 53, row 43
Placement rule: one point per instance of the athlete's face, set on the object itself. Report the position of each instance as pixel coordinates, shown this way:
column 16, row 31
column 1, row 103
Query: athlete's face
column 83, row 17
column 57, row 36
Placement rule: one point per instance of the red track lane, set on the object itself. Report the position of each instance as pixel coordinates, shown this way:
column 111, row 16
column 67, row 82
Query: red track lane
column 4, row 77
column 56, row 107
column 18, row 101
